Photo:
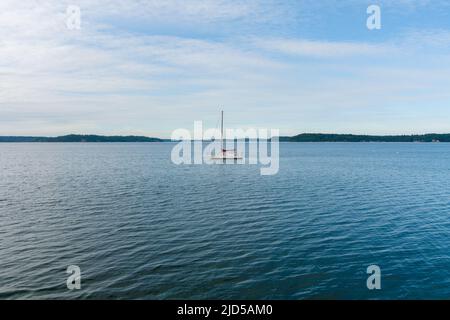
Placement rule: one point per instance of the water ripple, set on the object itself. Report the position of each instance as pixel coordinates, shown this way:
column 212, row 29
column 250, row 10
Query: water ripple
column 142, row 228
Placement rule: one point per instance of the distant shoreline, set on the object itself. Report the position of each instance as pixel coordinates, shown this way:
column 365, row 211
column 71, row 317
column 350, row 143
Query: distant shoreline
column 323, row 137
column 304, row 137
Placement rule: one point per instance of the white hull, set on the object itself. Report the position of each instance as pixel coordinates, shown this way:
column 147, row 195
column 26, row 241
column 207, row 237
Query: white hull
column 227, row 155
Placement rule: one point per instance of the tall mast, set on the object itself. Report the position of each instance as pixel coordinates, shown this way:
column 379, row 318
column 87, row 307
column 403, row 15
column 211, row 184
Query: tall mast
column 221, row 134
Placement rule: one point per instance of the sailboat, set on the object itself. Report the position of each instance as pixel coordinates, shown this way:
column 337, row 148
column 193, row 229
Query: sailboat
column 224, row 153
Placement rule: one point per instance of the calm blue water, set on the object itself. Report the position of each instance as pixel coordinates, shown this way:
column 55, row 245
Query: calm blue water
column 140, row 227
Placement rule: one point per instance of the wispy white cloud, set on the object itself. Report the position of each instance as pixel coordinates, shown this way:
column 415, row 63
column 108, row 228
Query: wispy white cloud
column 323, row 48
column 105, row 78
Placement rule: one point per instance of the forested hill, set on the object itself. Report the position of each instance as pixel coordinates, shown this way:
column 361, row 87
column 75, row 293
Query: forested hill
column 304, row 137
column 81, row 138
column 320, row 137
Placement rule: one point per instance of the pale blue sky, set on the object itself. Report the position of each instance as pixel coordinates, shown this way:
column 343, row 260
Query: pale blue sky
column 150, row 67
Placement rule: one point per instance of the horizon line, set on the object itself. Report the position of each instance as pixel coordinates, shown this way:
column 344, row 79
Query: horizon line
column 284, row 136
